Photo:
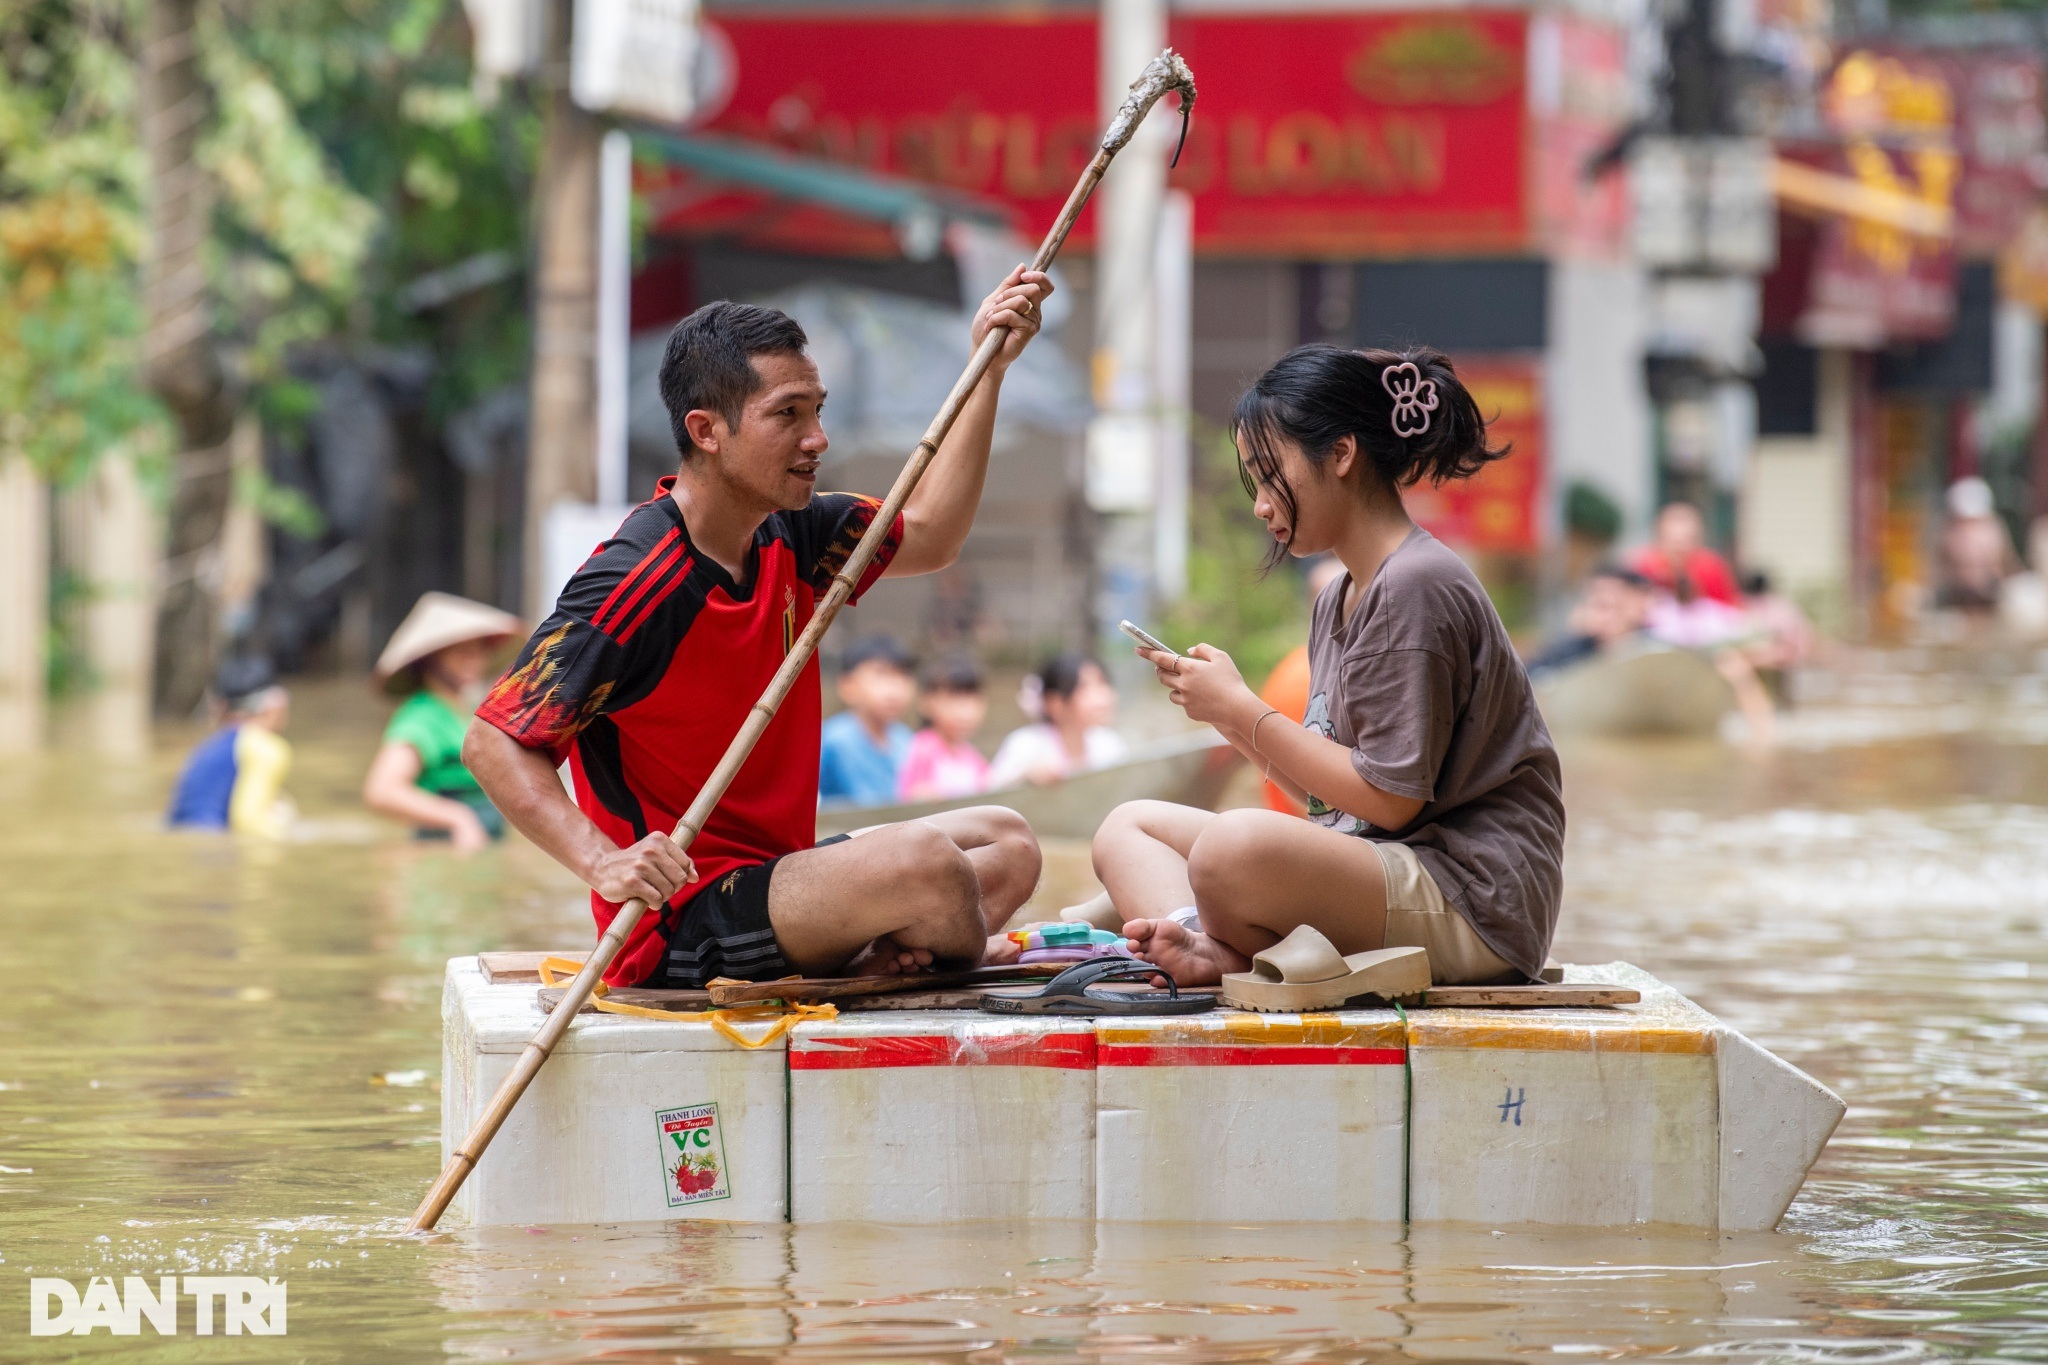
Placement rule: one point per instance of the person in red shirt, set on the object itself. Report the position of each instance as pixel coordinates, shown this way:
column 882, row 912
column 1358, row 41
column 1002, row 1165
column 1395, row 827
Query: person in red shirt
column 1679, row 562
column 663, row 641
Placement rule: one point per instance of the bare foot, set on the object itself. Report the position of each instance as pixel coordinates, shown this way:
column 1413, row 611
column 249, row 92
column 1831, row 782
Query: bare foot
column 1193, row 959
column 1096, row 911
column 886, row 957
column 1001, row 951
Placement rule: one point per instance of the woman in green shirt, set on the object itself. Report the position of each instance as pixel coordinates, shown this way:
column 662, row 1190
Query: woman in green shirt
column 438, row 660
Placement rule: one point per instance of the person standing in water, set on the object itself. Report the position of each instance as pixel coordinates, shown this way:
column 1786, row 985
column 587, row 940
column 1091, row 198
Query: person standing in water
column 438, row 660
column 234, row 780
column 1435, row 801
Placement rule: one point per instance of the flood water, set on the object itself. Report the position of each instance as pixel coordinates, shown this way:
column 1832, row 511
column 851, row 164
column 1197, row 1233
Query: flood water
column 223, row 1058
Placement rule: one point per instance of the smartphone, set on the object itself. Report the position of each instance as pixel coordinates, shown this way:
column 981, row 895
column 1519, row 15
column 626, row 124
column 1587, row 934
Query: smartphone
column 1150, row 642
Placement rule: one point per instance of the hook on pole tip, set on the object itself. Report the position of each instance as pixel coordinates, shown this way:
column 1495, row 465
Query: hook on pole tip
column 1167, row 71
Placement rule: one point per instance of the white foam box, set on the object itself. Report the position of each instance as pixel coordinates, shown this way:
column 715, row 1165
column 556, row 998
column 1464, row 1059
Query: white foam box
column 620, row 1106
column 941, row 1116
column 1235, row 1117
column 1643, row 1114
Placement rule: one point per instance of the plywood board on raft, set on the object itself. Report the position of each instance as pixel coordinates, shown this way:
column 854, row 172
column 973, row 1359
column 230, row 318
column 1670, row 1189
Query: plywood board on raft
column 1528, row 997
column 515, row 969
column 678, row 1002
column 522, row 968
column 687, row 1002
column 810, row 990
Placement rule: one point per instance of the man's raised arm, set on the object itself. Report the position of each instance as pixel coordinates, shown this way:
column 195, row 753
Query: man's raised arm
column 940, row 512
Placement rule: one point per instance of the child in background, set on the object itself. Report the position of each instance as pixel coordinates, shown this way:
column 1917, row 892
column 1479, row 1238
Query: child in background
column 234, row 779
column 1072, row 701
column 861, row 750
column 942, row 761
column 1611, row 612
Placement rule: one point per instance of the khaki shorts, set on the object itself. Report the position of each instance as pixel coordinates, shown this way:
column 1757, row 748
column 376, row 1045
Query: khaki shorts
column 1418, row 916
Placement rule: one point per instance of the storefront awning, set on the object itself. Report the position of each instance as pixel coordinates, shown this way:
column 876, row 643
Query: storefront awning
column 916, row 212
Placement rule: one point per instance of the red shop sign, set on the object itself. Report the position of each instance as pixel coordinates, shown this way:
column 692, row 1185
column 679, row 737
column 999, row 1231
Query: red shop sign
column 1353, row 134
column 1495, row 509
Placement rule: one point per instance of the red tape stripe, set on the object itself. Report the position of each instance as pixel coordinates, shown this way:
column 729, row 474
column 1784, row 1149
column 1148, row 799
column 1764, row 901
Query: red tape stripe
column 1259, row 1055
column 1066, row 1051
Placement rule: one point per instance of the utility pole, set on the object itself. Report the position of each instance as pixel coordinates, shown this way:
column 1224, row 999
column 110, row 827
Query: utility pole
column 1125, row 438
column 1705, row 227
column 561, row 465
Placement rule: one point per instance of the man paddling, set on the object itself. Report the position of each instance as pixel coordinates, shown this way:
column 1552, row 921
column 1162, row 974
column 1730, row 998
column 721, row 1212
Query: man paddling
column 661, row 643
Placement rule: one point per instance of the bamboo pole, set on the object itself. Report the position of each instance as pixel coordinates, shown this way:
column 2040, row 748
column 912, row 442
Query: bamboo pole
column 1163, row 73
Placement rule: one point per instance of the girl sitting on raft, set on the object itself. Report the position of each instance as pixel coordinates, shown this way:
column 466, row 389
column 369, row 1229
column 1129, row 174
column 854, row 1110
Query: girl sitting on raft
column 1435, row 803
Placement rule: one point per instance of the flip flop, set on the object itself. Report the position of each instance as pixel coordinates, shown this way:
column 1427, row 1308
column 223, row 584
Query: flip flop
column 1304, row 971
column 1068, row 993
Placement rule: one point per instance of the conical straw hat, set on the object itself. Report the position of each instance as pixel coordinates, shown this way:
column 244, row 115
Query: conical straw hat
column 436, row 621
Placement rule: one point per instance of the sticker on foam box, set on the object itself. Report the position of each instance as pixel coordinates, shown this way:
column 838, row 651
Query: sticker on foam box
column 1235, row 1117
column 942, row 1116
column 631, row 1119
column 1592, row 1118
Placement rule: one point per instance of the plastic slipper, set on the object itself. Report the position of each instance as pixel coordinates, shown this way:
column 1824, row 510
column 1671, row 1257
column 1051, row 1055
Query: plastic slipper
column 1068, row 993
column 1304, row 971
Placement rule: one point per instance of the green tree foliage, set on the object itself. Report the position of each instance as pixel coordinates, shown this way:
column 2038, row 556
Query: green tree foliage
column 383, row 89
column 349, row 157
column 70, row 236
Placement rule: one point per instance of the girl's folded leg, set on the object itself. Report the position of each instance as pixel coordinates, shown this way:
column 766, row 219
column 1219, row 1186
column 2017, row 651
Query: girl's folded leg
column 1141, row 856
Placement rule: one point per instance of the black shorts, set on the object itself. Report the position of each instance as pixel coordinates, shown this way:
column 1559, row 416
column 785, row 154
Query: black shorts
column 724, row 931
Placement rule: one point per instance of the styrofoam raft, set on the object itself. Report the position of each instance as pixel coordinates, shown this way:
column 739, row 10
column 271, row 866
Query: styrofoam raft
column 1234, row 1117
column 941, row 1116
column 1654, row 1113
column 1605, row 1118
column 587, row 1143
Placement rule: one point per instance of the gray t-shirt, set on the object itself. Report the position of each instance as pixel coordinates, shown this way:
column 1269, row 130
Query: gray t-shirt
column 1423, row 686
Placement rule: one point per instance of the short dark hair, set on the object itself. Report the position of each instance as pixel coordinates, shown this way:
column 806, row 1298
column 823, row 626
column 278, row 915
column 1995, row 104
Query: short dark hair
column 1621, row 573
column 877, row 649
column 242, row 676
column 708, row 362
column 954, row 673
column 1316, row 395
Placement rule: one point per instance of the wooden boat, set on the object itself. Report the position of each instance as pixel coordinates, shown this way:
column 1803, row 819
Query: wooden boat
column 1643, row 690
column 1189, row 768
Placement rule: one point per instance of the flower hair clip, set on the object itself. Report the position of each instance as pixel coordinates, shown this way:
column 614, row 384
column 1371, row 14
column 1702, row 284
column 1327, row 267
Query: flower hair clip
column 1414, row 397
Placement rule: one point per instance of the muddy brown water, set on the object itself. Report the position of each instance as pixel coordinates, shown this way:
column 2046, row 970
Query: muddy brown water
column 223, row 1058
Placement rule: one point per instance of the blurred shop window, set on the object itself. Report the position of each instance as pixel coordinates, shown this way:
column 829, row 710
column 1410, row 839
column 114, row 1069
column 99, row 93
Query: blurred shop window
column 1455, row 305
column 1788, row 391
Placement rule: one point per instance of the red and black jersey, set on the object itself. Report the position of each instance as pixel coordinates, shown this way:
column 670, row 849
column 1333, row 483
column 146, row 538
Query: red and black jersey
column 648, row 667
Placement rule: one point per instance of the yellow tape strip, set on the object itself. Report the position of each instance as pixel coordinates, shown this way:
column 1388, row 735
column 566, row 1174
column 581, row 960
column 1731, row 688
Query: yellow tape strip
column 1522, row 1036
column 1251, row 1030
column 722, row 1020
